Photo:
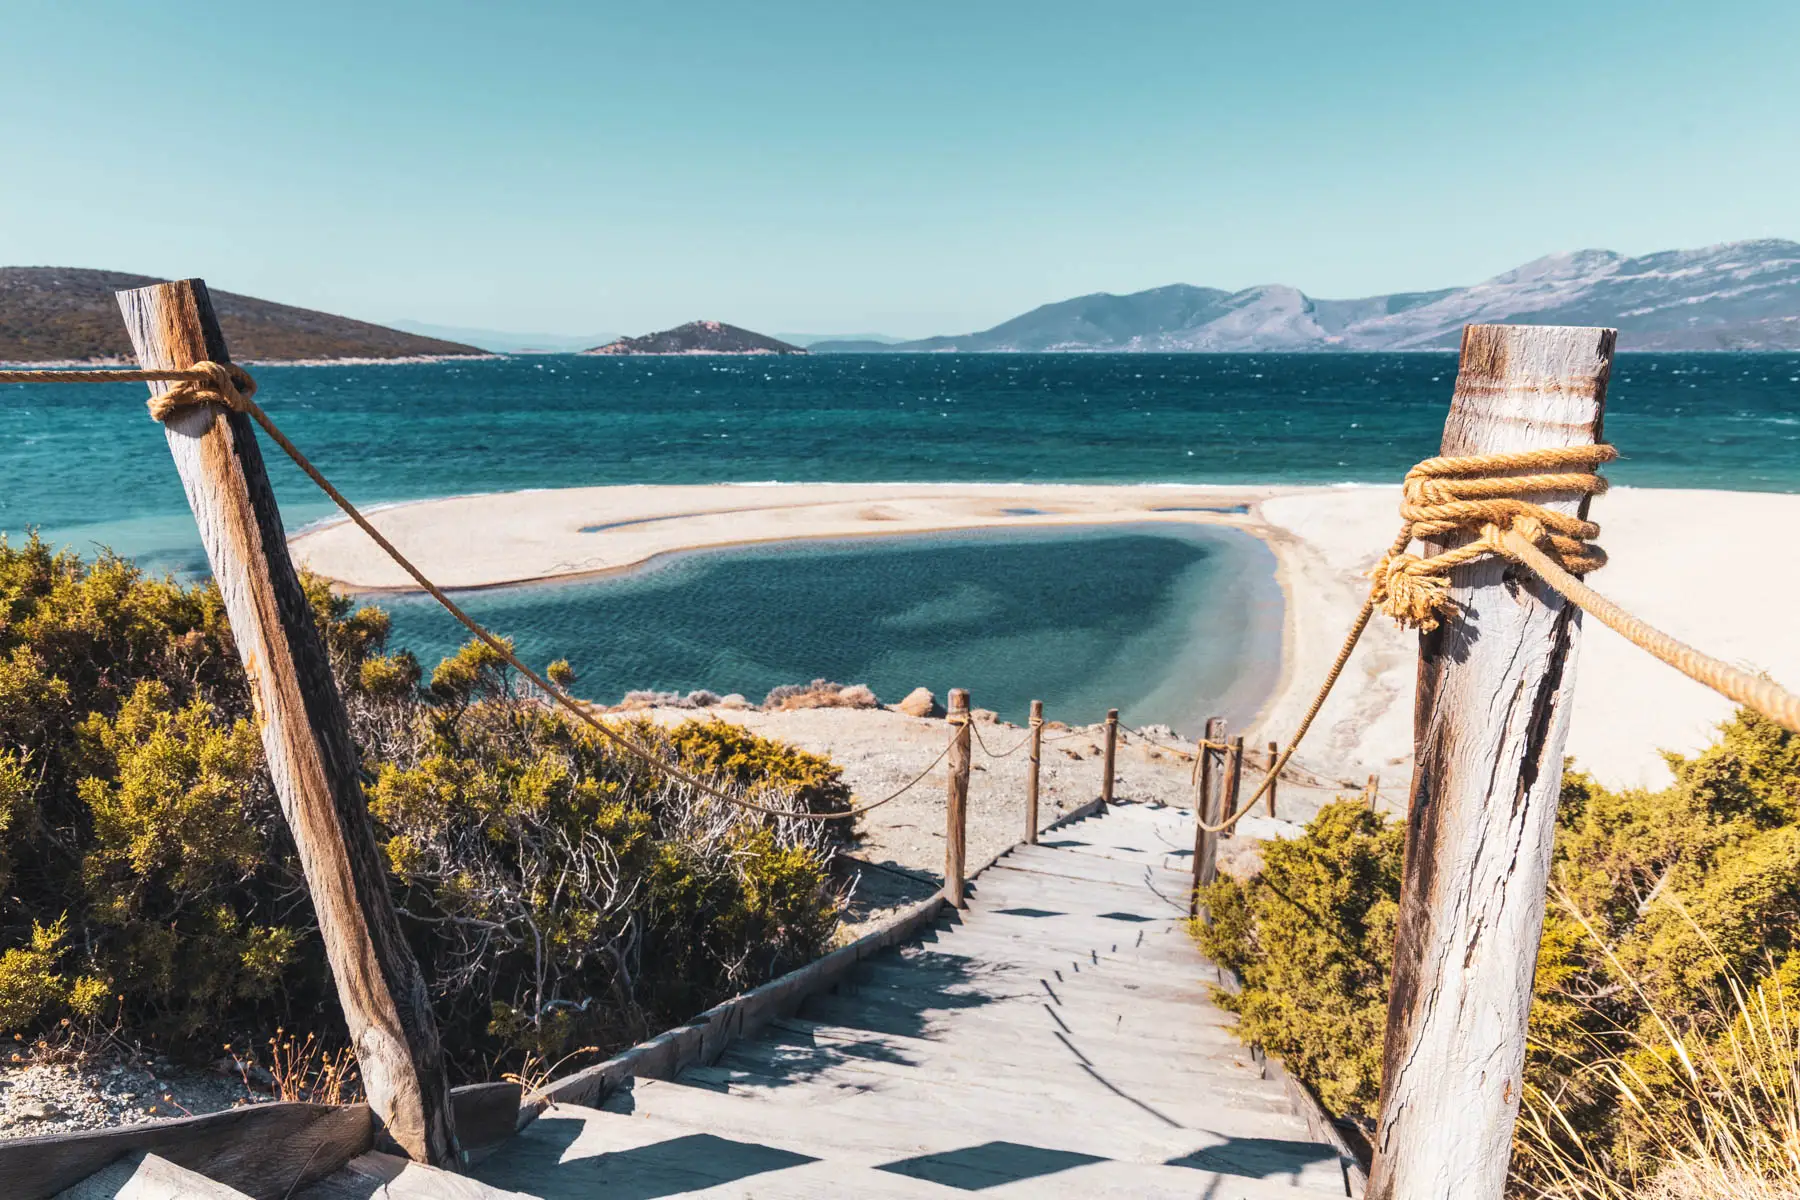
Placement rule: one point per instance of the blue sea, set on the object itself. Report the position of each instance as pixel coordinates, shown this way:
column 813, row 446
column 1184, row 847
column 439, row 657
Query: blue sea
column 1083, row 620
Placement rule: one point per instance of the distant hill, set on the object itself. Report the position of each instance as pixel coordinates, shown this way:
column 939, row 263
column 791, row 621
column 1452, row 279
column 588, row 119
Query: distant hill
column 1739, row 296
column 55, row 314
column 502, row 342
column 699, row 337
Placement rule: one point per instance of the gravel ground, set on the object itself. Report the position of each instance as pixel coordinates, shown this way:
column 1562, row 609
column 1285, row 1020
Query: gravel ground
column 43, row 1097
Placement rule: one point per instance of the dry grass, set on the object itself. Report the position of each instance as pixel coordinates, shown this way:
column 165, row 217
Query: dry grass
column 302, row 1069
column 1725, row 1125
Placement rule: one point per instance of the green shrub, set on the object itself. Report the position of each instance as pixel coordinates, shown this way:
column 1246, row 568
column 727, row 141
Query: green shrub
column 1673, row 907
column 557, row 891
column 1311, row 937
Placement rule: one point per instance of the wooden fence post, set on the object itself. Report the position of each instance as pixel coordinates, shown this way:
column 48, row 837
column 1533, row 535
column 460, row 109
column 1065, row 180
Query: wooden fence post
column 1274, row 780
column 1492, row 715
column 305, row 731
column 1112, row 751
column 1372, row 791
column 1208, row 761
column 1033, row 764
column 1234, row 784
column 956, row 800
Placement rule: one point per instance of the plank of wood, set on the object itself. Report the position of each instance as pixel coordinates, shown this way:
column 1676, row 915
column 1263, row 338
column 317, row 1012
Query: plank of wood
column 810, row 1060
column 306, row 739
column 1492, row 716
column 378, row 1176
column 1188, row 1098
column 486, row 1115
column 858, row 1126
column 260, row 1149
column 144, row 1176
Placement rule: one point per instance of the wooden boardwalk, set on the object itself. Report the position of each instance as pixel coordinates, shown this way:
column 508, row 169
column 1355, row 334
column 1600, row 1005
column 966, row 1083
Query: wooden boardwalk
column 1055, row 1039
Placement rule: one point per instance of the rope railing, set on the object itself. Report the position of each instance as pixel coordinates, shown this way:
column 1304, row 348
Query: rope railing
column 1442, row 496
column 232, row 387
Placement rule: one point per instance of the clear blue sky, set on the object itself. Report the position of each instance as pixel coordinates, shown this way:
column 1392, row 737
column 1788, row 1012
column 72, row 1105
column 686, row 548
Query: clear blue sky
column 912, row 168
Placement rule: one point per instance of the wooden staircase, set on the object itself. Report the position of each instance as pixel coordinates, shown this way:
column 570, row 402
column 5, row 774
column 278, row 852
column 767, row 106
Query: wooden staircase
column 1057, row 1038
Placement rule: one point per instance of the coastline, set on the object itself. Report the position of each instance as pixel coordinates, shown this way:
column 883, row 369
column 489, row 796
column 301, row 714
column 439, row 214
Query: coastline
column 1673, row 554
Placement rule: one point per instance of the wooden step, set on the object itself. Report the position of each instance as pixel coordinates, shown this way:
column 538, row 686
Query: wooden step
column 144, row 1176
column 882, row 1131
column 378, row 1176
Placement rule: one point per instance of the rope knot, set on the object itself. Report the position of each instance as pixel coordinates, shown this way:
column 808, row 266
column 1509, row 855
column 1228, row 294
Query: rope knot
column 1463, row 494
column 225, row 384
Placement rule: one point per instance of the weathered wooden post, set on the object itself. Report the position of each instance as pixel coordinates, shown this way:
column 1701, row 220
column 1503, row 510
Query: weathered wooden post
column 305, row 731
column 1372, row 791
column 956, row 800
column 1209, row 761
column 1274, row 781
column 1033, row 765
column 1112, row 753
column 1234, row 783
column 1492, row 715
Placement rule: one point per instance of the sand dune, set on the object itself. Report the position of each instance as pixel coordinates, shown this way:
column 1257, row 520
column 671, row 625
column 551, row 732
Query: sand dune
column 1680, row 559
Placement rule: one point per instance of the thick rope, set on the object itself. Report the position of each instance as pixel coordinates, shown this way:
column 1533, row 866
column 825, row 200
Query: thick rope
column 1462, row 495
column 1753, row 691
column 1016, row 747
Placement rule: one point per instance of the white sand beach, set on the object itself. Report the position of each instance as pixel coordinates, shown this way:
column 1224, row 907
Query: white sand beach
column 1678, row 559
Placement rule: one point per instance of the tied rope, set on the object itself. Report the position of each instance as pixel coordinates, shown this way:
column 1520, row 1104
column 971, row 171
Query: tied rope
column 231, row 387
column 1442, row 496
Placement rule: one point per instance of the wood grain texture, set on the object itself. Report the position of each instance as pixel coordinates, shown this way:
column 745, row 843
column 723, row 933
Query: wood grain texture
column 1274, row 780
column 1112, row 754
column 1491, row 720
column 1208, row 775
column 956, row 800
column 305, row 730
column 378, row 1176
column 144, row 1176
column 1234, row 784
column 1033, row 769
column 262, row 1150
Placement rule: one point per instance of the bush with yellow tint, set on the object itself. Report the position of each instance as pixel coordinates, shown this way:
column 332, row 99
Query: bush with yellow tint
column 1676, row 935
column 558, row 892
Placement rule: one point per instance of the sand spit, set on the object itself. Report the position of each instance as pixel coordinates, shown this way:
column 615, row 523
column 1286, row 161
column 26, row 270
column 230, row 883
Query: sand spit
column 1679, row 558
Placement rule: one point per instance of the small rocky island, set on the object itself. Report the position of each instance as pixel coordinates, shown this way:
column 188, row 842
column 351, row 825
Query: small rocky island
column 699, row 337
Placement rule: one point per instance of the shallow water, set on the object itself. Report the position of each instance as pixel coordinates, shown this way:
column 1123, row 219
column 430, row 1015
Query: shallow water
column 1166, row 625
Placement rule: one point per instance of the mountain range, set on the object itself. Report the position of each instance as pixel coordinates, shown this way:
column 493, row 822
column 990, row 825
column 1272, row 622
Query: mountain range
column 1737, row 296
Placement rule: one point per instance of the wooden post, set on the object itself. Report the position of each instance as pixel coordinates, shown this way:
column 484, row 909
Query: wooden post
column 1208, row 761
column 305, row 732
column 1372, row 791
column 956, row 800
column 1491, row 718
column 1112, row 751
column 1274, row 757
column 1234, row 784
column 1034, row 763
